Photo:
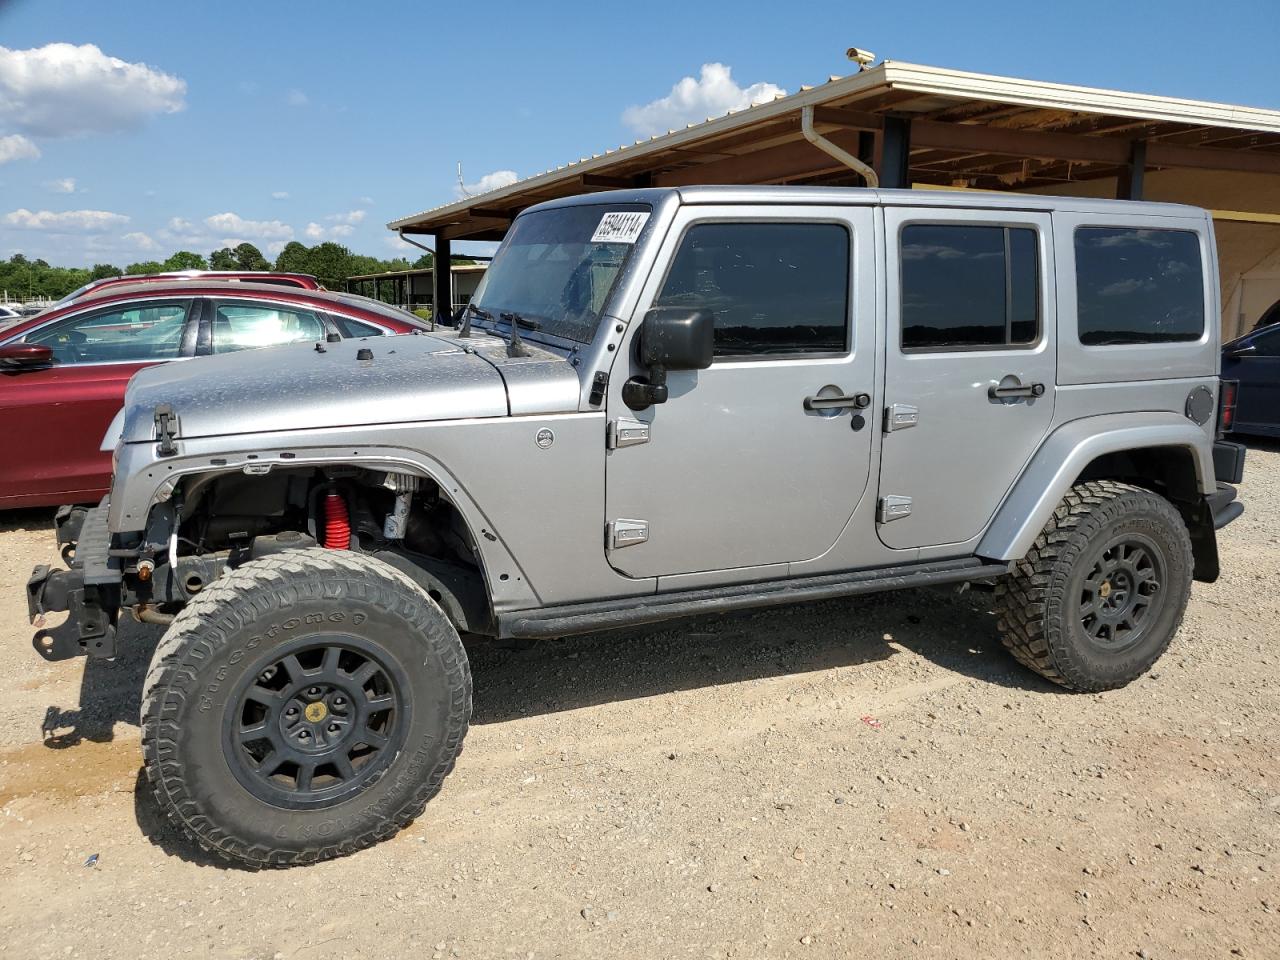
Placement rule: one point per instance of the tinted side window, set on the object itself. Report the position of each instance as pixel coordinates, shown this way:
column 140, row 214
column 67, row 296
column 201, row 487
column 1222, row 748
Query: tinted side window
column 1138, row 286
column 968, row 287
column 1268, row 343
column 244, row 326
column 356, row 328
column 129, row 333
column 773, row 287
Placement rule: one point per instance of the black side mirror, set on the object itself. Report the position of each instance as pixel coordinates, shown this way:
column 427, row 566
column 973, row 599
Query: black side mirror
column 1244, row 350
column 25, row 356
column 670, row 338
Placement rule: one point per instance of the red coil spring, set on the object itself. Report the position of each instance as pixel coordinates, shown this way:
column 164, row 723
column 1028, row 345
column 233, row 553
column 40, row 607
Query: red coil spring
column 337, row 525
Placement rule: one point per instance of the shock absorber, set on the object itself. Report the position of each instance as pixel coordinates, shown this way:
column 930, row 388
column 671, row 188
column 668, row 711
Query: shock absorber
column 337, row 524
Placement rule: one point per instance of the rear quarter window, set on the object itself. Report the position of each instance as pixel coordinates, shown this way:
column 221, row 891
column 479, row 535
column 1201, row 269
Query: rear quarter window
column 1138, row 286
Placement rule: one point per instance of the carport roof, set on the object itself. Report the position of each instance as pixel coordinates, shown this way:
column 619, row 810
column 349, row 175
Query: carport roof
column 966, row 129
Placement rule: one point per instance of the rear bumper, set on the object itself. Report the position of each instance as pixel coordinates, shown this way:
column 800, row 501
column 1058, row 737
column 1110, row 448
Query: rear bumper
column 1223, row 505
column 89, row 591
column 1228, row 461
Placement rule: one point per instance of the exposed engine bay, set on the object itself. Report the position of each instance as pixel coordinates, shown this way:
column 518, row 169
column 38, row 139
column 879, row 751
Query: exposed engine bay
column 213, row 523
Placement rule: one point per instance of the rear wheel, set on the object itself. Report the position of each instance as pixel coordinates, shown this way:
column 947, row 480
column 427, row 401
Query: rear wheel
column 302, row 707
column 1102, row 591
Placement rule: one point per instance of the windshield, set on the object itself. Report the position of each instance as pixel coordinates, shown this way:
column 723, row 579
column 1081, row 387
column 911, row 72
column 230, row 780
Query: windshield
column 556, row 267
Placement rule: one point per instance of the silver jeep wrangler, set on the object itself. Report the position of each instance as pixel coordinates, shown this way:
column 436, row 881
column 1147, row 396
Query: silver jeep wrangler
column 659, row 403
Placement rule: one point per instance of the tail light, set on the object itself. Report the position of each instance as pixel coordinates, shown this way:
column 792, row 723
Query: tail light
column 1227, row 405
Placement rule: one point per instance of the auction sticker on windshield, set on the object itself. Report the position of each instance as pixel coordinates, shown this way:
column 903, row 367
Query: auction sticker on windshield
column 619, row 227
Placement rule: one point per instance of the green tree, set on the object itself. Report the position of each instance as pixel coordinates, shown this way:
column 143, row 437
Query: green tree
column 146, row 266
column 331, row 263
column 294, row 258
column 101, row 271
column 249, row 257
column 186, row 260
column 224, row 259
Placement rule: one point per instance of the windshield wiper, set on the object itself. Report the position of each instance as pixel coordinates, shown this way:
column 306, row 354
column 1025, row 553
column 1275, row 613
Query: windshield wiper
column 522, row 320
column 469, row 311
column 515, row 346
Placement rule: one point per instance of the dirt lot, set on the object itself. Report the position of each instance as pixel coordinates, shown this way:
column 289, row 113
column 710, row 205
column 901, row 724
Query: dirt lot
column 715, row 790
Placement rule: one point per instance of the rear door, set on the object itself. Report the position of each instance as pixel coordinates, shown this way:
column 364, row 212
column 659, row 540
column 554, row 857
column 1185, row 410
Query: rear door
column 56, row 417
column 970, row 367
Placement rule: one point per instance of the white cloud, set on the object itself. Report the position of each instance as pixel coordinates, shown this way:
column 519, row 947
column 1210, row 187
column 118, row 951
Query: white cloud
column 64, row 185
column 367, row 201
column 280, row 195
column 233, row 224
column 395, row 243
column 315, row 231
column 490, row 181
column 181, row 234
column 712, row 94
column 350, row 217
column 141, row 240
column 61, row 90
column 296, row 98
column 274, row 247
column 65, row 221
column 17, row 147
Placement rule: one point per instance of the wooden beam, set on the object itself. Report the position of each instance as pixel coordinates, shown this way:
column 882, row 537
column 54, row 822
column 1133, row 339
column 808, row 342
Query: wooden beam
column 488, row 213
column 1210, row 158
column 442, row 281
column 1017, row 143
column 852, row 119
column 1129, row 183
column 605, row 182
column 795, row 159
column 471, row 229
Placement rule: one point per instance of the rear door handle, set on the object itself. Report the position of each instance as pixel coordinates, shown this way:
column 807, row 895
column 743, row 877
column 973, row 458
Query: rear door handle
column 997, row 392
column 859, row 401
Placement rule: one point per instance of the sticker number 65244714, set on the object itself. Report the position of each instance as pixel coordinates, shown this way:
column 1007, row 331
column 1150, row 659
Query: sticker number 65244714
column 619, row 227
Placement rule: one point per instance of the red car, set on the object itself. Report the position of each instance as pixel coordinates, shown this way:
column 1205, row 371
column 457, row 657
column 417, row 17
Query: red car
column 63, row 373
column 303, row 281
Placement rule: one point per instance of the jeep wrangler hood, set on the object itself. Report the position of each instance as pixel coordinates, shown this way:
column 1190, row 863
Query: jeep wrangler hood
column 347, row 383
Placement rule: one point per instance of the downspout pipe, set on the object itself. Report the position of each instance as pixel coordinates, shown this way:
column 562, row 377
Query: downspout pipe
column 831, row 149
column 415, row 243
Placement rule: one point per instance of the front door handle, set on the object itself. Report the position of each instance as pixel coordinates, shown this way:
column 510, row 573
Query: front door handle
column 859, row 401
column 1005, row 390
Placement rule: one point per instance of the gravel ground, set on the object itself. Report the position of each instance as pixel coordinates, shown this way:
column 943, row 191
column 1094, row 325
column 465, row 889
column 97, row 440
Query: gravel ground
column 872, row 777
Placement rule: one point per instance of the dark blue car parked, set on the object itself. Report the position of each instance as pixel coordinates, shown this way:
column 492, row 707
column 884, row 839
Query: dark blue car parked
column 1254, row 361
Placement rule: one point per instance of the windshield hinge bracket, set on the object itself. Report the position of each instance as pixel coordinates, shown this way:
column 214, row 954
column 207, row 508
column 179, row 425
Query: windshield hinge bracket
column 166, row 429
column 598, row 385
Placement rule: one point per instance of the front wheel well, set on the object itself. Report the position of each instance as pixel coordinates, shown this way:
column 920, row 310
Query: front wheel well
column 1172, row 473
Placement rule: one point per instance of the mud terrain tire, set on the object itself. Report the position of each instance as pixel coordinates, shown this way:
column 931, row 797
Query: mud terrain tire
column 351, row 679
column 1102, row 591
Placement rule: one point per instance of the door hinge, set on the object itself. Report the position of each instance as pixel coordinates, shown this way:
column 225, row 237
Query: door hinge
column 894, row 507
column 166, row 429
column 900, row 416
column 626, row 533
column 625, row 432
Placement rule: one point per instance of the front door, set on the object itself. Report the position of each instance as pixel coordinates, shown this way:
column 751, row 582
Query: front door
column 761, row 458
column 59, row 414
column 969, row 367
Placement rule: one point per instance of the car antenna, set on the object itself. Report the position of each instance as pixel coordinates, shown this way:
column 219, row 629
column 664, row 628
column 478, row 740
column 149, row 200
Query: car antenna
column 515, row 346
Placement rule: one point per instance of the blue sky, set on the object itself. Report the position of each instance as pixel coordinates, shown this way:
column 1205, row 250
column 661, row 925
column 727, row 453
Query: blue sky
column 274, row 121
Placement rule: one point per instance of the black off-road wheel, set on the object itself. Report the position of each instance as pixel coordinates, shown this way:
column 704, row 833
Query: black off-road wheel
column 303, row 707
column 1101, row 593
